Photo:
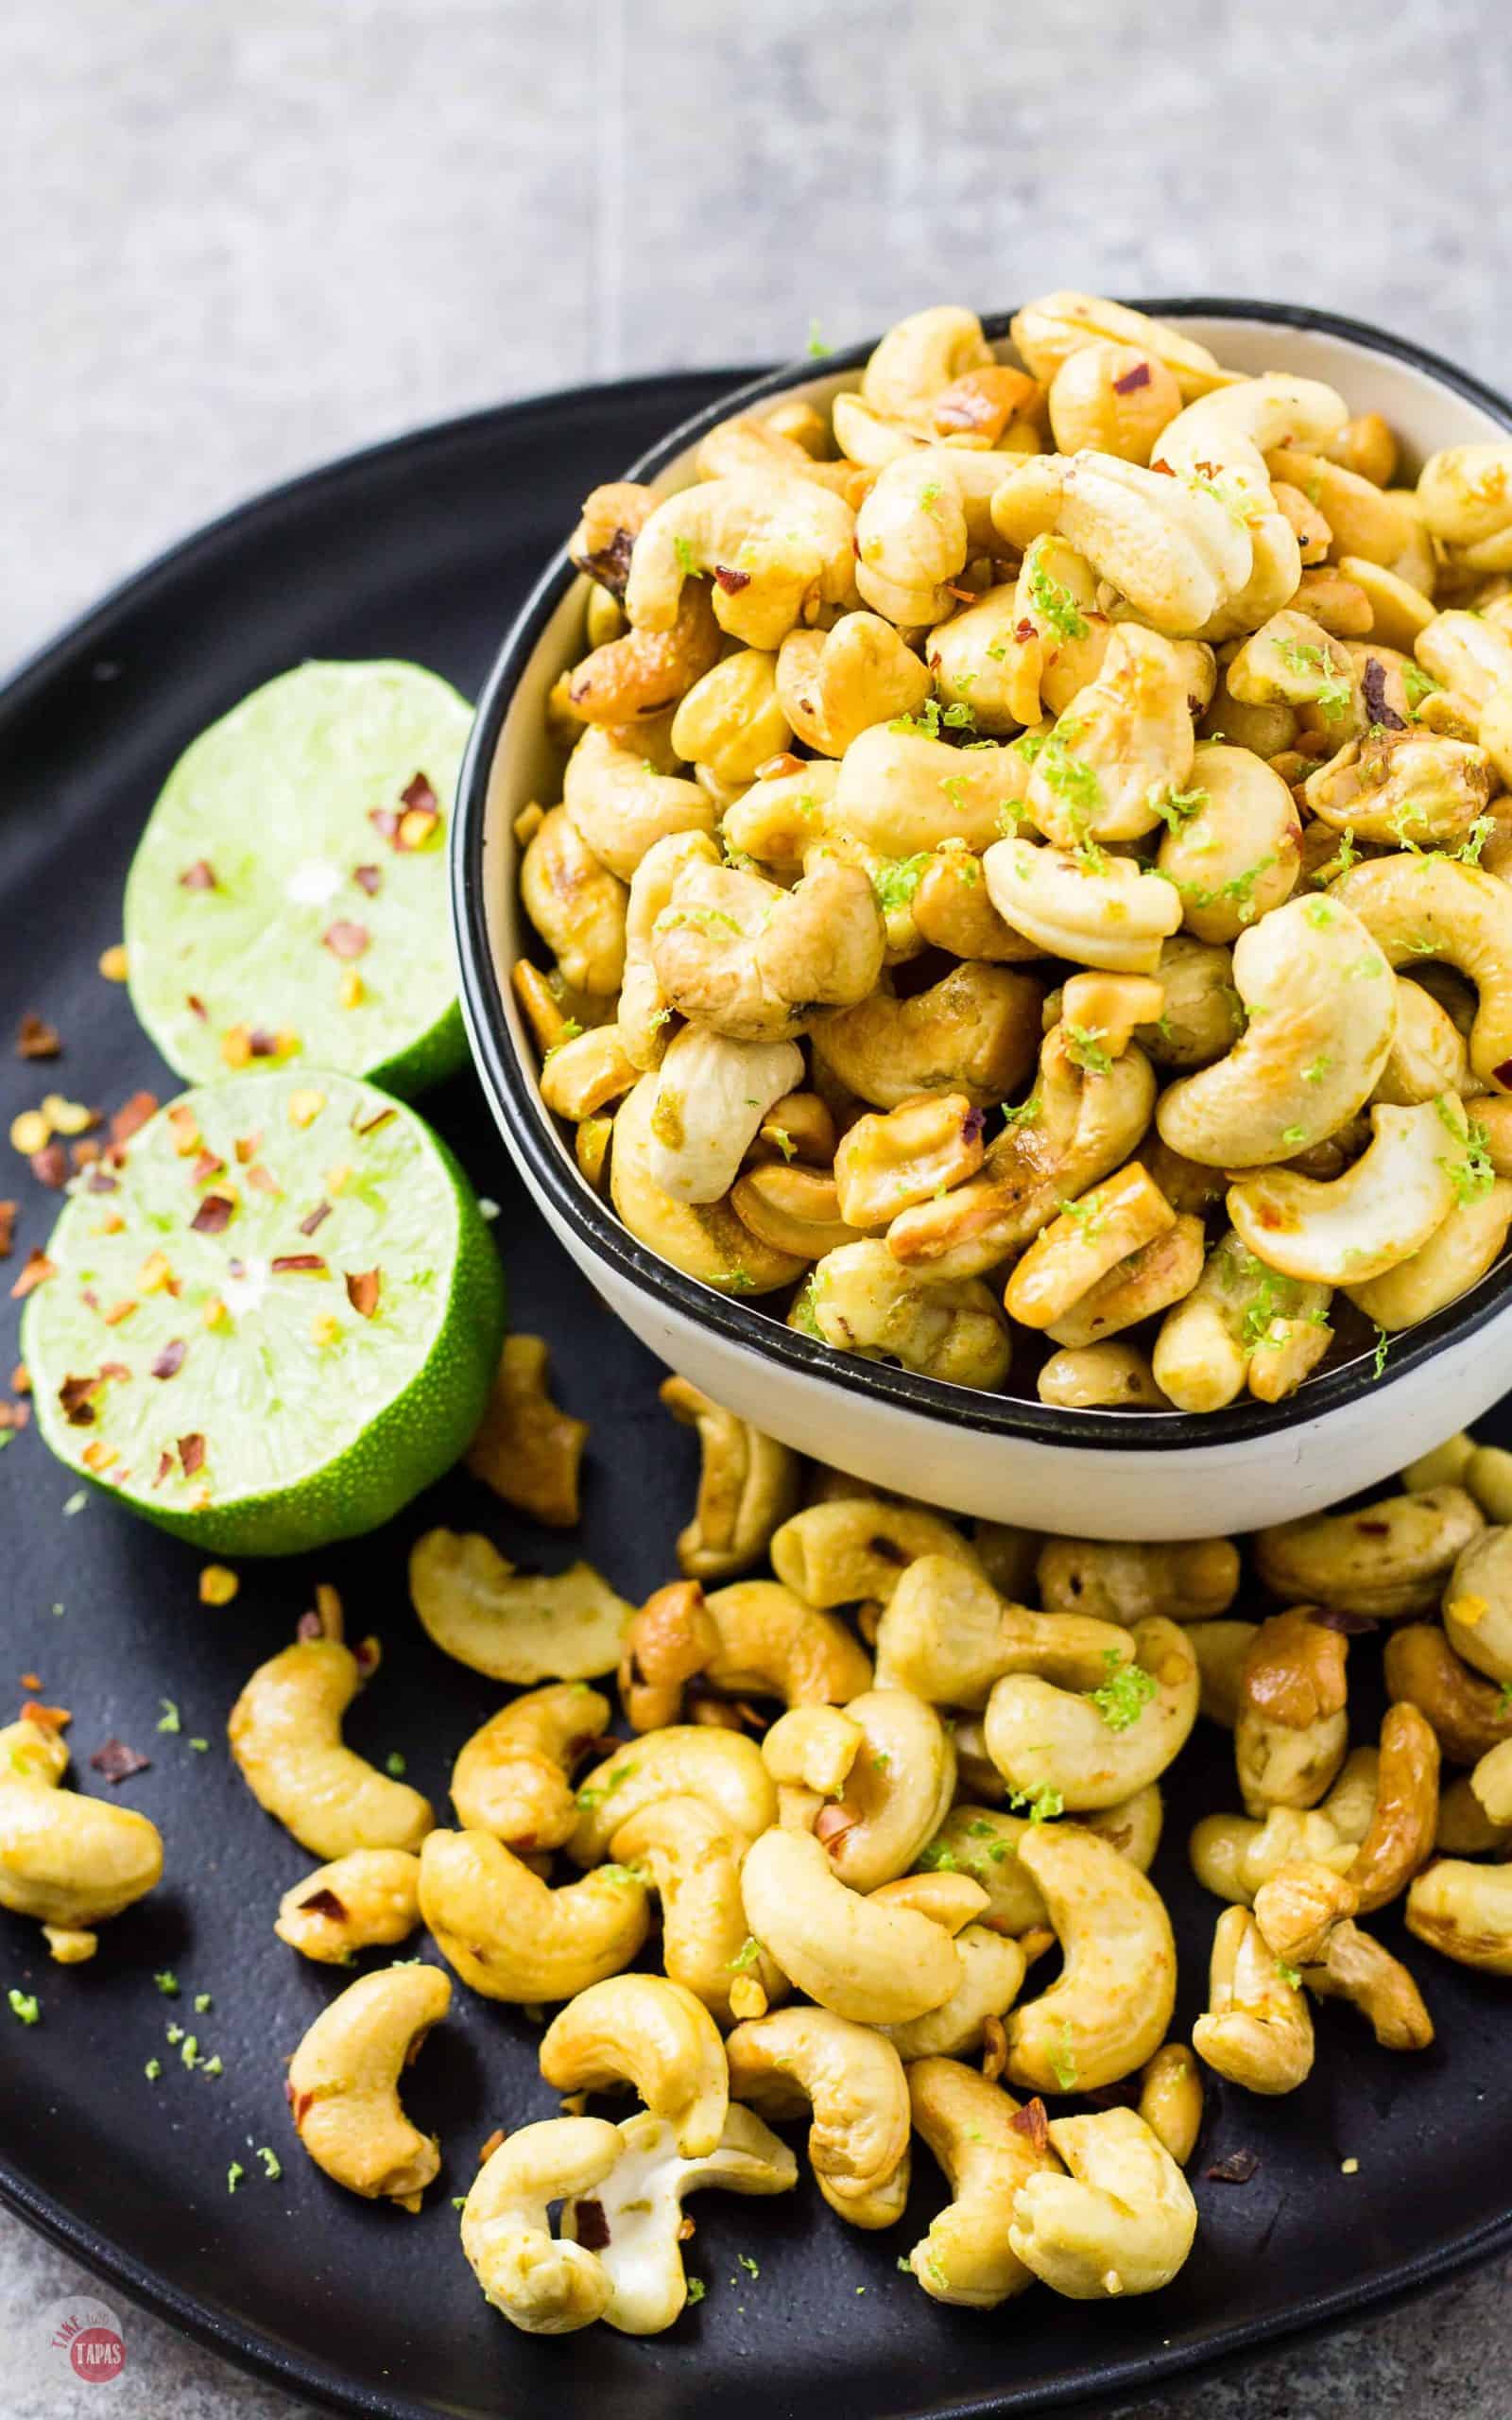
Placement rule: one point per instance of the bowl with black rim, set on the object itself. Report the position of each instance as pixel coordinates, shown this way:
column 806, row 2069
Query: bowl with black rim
column 1137, row 1473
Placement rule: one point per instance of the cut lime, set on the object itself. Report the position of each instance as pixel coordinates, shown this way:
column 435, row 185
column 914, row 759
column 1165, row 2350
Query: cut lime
column 272, row 1320
column 289, row 898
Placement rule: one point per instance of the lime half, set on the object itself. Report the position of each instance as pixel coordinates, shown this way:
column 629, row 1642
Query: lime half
column 288, row 899
column 273, row 1318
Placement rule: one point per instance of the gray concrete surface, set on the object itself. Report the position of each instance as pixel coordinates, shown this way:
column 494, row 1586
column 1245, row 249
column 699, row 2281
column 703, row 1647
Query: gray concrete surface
column 241, row 235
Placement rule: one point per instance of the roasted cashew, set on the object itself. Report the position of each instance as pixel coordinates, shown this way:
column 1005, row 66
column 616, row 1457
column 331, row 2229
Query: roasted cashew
column 1478, row 1604
column 1390, row 1558
column 1356, row 1967
column 1097, row 1750
column 864, row 1301
column 1487, row 1474
column 1299, row 1907
column 976, row 1031
column 1111, row 913
column 1377, row 1214
column 1171, row 2099
column 694, row 1861
column 852, row 2079
column 343, row 2083
column 1233, row 1856
column 1190, row 1583
column 754, row 961
column 513, row 1938
column 643, row 1012
column 1220, row 1648
column 1256, row 2029
column 657, row 2037
column 645, row 671
column 1109, row 2008
column 286, row 1737
column 612, row 516
column 748, row 1486
column 1113, row 397
column 1082, row 1247
column 1292, row 1728
column 1313, row 1055
column 1405, row 1817
column 1396, row 787
column 874, row 1964
column 1456, row 1256
column 1173, row 548
column 722, row 1767
column 513, row 1777
column 885, row 1163
column 1439, row 907
column 993, row 1972
column 812, row 1748
column 732, row 722
column 706, row 1241
column 1121, row 2222
column 1129, row 735
column 575, row 903
column 1468, row 1715
column 989, row 2149
column 783, row 547
column 368, row 1898
column 69, row 1861
column 1427, row 1054
column 1464, row 495
column 897, row 1792
column 1087, row 1378
column 1048, row 331
column 903, row 793
column 1241, row 1323
column 855, row 1546
column 712, row 1095
column 1236, row 853
column 1469, row 655
column 948, row 1635
column 755, row 1638
column 545, row 2287
column 921, row 355
column 525, row 1449
column 517, row 1627
column 620, row 806
column 924, row 515
column 835, row 684
column 952, row 911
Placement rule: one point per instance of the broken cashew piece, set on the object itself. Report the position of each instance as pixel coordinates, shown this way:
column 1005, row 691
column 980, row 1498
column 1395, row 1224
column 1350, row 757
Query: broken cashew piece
column 897, row 1790
column 657, row 2037
column 1171, row 2099
column 1125, row 1583
column 343, row 2084
column 69, row 1861
column 544, row 2286
column 1292, row 1728
column 365, row 1900
column 712, row 1097
column 748, row 1486
column 1464, row 1912
column 517, row 1627
column 1120, row 2222
column 1257, row 2030
column 855, row 1546
column 527, row 1451
column 1437, row 907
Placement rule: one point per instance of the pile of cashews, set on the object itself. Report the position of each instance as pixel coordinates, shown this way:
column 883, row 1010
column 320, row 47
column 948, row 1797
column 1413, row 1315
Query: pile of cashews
column 1033, row 869
column 827, row 1905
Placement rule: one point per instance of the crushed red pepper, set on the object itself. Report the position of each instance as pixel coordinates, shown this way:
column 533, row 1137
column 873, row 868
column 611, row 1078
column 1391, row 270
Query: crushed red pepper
column 36, row 1269
column 363, row 1286
column 132, row 1114
column 119, row 1762
column 37, row 1038
column 171, row 1359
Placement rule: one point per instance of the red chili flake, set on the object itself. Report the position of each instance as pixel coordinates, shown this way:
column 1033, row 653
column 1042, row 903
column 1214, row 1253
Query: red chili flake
column 7, row 1228
column 30, row 1681
column 86, row 1154
column 1123, row 2094
column 1137, row 376
column 170, row 1360
column 261, row 1043
column 971, row 1124
column 14, row 1415
column 346, row 940
column 1373, row 690
column 119, row 1762
column 1374, row 1528
column 966, row 595
column 196, row 1007
column 37, row 1038
column 1024, row 629
column 115, row 1369
column 36, row 1271
column 164, row 1466
column 20, row 1379
column 316, row 1219
column 1237, row 2169
column 369, row 878
column 832, row 1823
column 192, row 1453
column 486, row 2150
column 213, row 1215
column 382, row 1116
column 324, row 1903
column 1164, row 467
column 132, row 1114
column 1033, row 2122
column 76, row 1398
column 887, row 1551
column 262, row 1180
column 50, row 1166
column 48, row 1718
column 1349, row 1625
column 99, row 1181
column 309, row 1626
column 206, row 1167
column 199, row 877
column 732, row 582
column 363, row 1286
column 298, row 1263
column 384, row 820
column 592, row 2227
column 420, row 793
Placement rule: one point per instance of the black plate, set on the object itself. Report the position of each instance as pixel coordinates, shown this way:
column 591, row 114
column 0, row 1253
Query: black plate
column 424, row 548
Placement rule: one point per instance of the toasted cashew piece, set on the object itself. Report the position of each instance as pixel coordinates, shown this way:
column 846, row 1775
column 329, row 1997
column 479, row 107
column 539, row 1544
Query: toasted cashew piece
column 1097, row 1751
column 1238, row 853
column 517, row 1627
column 897, row 1791
column 925, row 513
column 513, row 1938
column 738, row 952
column 1085, row 1244
column 748, row 1486
column 69, row 1861
column 1048, row 331
column 993, row 1972
column 286, row 1737
column 368, row 1898
column 620, row 806
column 1109, row 2008
column 902, row 792
column 1171, row 2099
column 575, row 903
column 1241, row 1323
column 1464, row 1911
column 769, row 1643
column 643, row 1012
column 1405, row 1818
column 706, row 1241
column 1356, row 1967
column 635, row 2221
column 1379, row 1213
column 812, row 1748
column 712, row 1095
column 1439, row 907
column 852, row 2079
column 343, row 2083
column 835, row 684
column 974, row 2131
column 1113, row 914
column 1464, row 1830
column 874, row 1964
column 885, row 1164
column 657, row 2037
column 1113, row 397
column 513, row 1777
column 1468, row 1715
column 1257, row 2030
column 1297, row 1072
column 948, row 1635
column 1478, row 1604
column 1299, row 1907
column 1456, row 1256
column 786, row 543
column 1220, row 1648
column 1089, row 1377
column 1390, row 1558
column 1121, row 2222
column 527, row 1451
column 545, row 2287
column 645, row 671
column 919, row 355
column 1126, row 740
column 1487, row 1474
column 731, row 720
column 1445, row 1466
column 723, row 1769
column 693, row 1862
column 1292, row 1728
column 1392, row 786
column 1187, row 1583
column 855, row 1546
column 976, row 1031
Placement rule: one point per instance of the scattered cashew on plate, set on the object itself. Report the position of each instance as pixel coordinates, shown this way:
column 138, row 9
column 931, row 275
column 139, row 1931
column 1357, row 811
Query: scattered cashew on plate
column 1041, row 813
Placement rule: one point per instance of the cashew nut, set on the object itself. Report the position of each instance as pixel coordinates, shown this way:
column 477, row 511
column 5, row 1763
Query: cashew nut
column 1257, row 2030
column 1379, row 1213
column 993, row 1972
column 365, row 1900
column 835, row 684
column 1111, row 913
column 748, row 1486
column 1390, row 1558
column 1121, row 2222
column 1468, row 1715
column 693, row 1862
column 738, row 952
column 723, row 1769
column 286, row 1737
column 1188, row 1582
column 1437, row 907
column 1292, row 1729
column 1478, row 1604
column 527, row 1450
column 343, row 2084
column 69, row 1861
column 1097, row 1750
column 855, row 1546
column 706, row 1240
column 897, row 1790
column 516, row 1627
column 654, row 2035
column 874, row 1964
column 1109, row 2008
column 620, row 806
column 513, row 1777
column 782, row 545
column 852, row 2079
column 989, row 2149
column 949, row 1636
column 976, row 1031
column 1241, row 1323
column 575, row 903
column 712, row 1095
column 544, row 2286
column 1171, row 2099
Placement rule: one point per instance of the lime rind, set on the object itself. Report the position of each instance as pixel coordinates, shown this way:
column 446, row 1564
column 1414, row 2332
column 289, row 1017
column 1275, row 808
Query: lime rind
column 330, row 1344
column 285, row 904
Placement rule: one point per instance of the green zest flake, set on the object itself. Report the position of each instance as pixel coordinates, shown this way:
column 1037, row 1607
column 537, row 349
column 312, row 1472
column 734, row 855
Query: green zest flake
column 1124, row 1694
column 897, row 879
column 395, row 1765
column 687, row 560
column 783, row 1140
column 25, row 2006
column 1063, row 2066
column 1369, row 967
column 1275, row 1297
column 1472, row 1176
column 1379, row 1358
column 804, row 1316
column 569, row 1033
column 748, row 1952
column 739, row 1280
column 1089, row 1215
column 1294, row 1133
column 212, row 2067
column 1084, row 1049
column 1503, row 1702
column 74, row 1503
column 1290, row 1975
column 202, row 2001
column 167, row 1984
column 997, row 653
column 201, row 1746
column 748, row 2264
column 1417, row 684
column 1332, row 692
column 1054, row 601
column 1043, row 1802
column 233, row 2175
column 458, row 2200
column 272, row 2165
column 153, row 2070
column 1481, row 830
column 621, row 1873
column 1239, row 887
column 1024, row 1114
column 174, row 2034
column 189, row 2050
column 937, row 1856
column 816, row 346
column 924, row 725
column 1319, row 912
column 929, row 494
column 587, row 1800
column 170, row 1715
column 953, row 786
column 696, row 2290
column 1174, row 807
column 1071, row 780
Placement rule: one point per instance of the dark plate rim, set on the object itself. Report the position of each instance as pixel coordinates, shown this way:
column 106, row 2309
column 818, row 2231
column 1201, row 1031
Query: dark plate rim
column 513, row 1095
column 261, row 2355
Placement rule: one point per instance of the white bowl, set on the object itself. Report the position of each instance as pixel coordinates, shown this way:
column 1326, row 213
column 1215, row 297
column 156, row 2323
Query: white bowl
column 1126, row 1475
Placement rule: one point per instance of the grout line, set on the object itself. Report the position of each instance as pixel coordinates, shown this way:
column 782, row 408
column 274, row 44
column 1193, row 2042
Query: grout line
column 607, row 348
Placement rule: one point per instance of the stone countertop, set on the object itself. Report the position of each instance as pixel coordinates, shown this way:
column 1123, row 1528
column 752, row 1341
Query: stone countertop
column 239, row 240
